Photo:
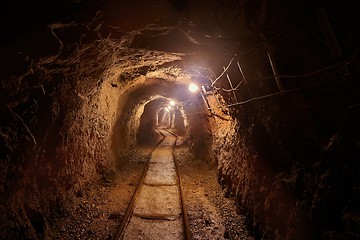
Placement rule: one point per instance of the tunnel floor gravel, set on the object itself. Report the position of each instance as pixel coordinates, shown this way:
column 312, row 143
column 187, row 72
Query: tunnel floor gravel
column 96, row 212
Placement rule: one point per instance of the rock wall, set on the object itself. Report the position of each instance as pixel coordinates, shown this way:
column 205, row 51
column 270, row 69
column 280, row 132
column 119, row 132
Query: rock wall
column 290, row 159
column 146, row 131
column 59, row 115
column 56, row 127
column 291, row 168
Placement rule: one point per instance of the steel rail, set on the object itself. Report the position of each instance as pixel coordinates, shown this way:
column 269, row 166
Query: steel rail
column 129, row 210
column 186, row 224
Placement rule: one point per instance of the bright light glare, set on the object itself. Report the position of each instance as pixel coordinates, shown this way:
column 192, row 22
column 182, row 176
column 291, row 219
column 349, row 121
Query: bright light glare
column 172, row 103
column 193, row 87
column 168, row 110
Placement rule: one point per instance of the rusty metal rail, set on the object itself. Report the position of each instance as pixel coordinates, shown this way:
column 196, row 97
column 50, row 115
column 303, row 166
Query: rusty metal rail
column 129, row 211
column 186, row 224
column 127, row 216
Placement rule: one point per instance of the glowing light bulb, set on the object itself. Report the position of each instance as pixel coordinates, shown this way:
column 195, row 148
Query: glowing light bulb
column 193, row 87
column 172, row 103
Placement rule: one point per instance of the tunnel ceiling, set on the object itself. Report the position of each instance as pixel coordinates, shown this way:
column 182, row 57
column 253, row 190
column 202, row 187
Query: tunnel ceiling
column 151, row 37
column 138, row 26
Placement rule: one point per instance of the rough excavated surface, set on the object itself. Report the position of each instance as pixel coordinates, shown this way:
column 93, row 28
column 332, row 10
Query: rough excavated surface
column 305, row 201
column 70, row 108
column 76, row 78
column 291, row 160
column 58, row 123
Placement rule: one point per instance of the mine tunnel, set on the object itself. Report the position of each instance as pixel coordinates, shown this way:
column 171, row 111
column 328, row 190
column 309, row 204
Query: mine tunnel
column 180, row 119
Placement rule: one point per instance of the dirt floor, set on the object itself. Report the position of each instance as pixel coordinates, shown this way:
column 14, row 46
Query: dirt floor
column 211, row 214
column 99, row 208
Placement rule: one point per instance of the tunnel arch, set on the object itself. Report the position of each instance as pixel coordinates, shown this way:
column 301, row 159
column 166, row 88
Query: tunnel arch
column 160, row 113
column 131, row 106
column 146, row 130
column 163, row 117
column 149, row 121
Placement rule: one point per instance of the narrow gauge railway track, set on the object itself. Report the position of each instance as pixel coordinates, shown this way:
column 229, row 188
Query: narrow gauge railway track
column 157, row 208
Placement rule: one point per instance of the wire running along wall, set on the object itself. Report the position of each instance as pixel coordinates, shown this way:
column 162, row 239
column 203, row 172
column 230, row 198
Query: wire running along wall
column 261, row 71
column 244, row 80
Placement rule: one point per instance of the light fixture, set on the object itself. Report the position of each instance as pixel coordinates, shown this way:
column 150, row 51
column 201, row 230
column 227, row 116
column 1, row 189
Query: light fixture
column 193, row 87
column 172, row 103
